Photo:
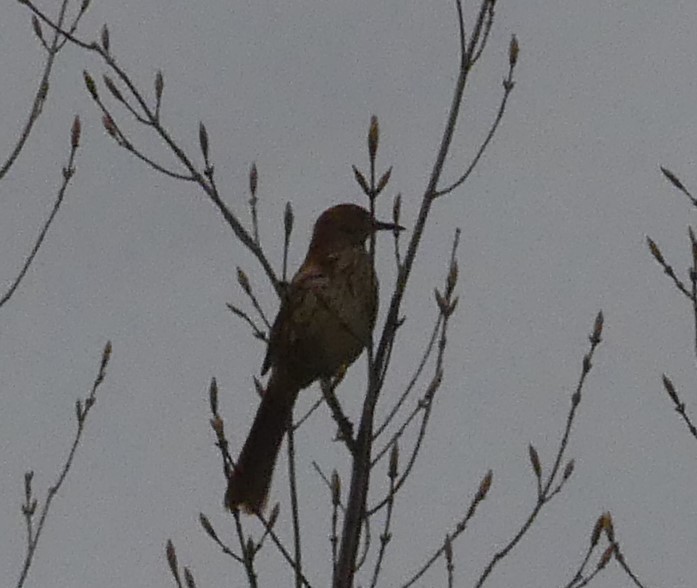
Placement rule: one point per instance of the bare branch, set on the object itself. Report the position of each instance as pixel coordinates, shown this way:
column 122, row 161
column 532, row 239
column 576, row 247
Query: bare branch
column 203, row 179
column 547, row 491
column 679, row 404
column 68, row 173
column 508, row 85
column 42, row 92
column 295, row 509
column 483, row 490
column 673, row 179
column 667, row 268
column 83, row 408
column 378, row 364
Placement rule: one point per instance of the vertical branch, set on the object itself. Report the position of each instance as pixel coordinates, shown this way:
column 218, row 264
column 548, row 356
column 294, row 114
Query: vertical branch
column 360, row 474
column 295, row 509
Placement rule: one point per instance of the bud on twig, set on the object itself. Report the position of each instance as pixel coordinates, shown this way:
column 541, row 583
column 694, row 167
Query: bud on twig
column 37, row 28
column 607, row 554
column 288, row 218
column 441, row 301
column 84, row 5
column 243, row 281
column 213, row 396
column 106, row 356
column 207, row 527
column 513, row 50
column 668, row 385
column 373, row 137
column 569, row 469
column 110, row 126
column 452, row 278
column 159, row 87
column 189, row 577
column 485, row 485
column 28, row 477
column 396, row 208
column 203, row 140
column 111, row 86
column 75, row 133
column 91, row 86
column 673, row 179
column 535, row 461
column 362, row 182
column 394, row 461
column 655, row 251
column 597, row 529
column 382, row 182
column 105, row 39
column 597, row 328
column 253, row 177
column 172, row 559
column 608, row 526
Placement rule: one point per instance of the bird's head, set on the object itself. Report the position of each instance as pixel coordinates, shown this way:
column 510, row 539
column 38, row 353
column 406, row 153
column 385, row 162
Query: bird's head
column 346, row 225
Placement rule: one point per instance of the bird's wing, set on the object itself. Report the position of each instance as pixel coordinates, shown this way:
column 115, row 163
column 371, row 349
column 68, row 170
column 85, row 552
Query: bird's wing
column 309, row 277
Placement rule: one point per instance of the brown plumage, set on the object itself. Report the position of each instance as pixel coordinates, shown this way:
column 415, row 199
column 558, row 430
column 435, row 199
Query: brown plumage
column 325, row 320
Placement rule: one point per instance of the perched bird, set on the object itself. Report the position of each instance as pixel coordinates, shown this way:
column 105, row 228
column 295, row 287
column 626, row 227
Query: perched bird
column 325, row 321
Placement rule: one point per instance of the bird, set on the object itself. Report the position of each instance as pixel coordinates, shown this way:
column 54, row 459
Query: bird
column 325, row 320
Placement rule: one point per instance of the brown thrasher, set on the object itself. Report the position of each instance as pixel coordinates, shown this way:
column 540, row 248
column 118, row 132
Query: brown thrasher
column 325, row 321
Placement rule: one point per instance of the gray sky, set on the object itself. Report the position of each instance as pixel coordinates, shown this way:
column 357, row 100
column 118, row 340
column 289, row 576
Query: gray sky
column 554, row 221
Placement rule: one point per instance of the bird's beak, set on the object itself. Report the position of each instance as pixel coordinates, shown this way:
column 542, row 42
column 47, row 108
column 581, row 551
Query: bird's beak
column 381, row 226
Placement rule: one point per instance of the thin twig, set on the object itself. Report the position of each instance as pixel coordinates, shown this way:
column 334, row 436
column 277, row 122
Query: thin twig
column 295, row 509
column 386, row 535
column 287, row 556
column 228, row 467
column 485, row 35
column 673, row 179
column 483, row 490
column 446, row 305
column 667, row 268
column 256, row 331
column 208, row 528
column 315, row 405
column 508, row 85
column 679, row 404
column 410, row 386
column 82, row 410
column 619, row 557
column 200, row 178
column 578, row 576
column 547, row 492
column 42, row 91
column 248, row 551
column 68, row 173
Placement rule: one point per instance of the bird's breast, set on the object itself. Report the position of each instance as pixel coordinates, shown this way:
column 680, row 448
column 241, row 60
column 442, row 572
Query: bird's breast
column 334, row 319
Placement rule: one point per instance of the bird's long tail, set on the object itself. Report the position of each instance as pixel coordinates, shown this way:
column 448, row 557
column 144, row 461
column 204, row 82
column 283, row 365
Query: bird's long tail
column 250, row 481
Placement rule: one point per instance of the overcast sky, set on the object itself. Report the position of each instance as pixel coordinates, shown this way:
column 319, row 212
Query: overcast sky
column 553, row 222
